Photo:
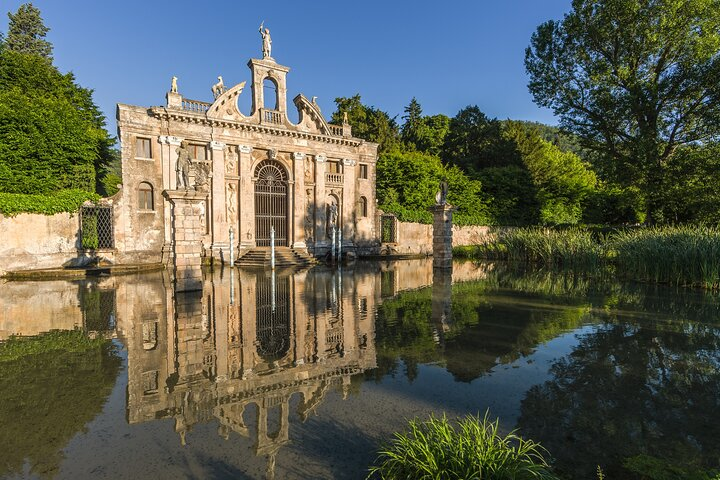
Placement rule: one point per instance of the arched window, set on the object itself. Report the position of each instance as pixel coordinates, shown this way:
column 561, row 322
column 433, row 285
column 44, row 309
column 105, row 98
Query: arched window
column 362, row 207
column 145, row 197
column 270, row 94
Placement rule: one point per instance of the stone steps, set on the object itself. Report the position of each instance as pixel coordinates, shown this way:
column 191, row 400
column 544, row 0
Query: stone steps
column 284, row 257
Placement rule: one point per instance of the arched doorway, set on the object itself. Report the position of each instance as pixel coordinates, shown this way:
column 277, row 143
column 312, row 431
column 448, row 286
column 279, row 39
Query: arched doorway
column 271, row 200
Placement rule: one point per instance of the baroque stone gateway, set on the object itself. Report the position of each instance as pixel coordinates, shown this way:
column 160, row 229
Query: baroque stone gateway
column 252, row 173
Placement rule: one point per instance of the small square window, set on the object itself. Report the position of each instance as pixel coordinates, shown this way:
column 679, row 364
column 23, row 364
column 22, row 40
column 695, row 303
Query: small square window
column 142, row 148
column 363, row 171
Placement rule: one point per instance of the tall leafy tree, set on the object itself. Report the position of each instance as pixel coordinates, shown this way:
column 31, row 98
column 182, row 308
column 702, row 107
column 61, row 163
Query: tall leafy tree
column 412, row 117
column 26, row 32
column 52, row 135
column 368, row 123
column 474, row 141
column 408, row 181
column 634, row 79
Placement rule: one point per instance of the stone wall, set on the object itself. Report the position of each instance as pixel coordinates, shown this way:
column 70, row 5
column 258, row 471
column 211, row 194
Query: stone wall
column 30, row 241
column 417, row 238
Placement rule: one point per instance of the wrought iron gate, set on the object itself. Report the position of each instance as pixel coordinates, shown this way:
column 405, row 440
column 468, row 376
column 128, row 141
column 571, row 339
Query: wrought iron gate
column 96, row 227
column 271, row 203
column 272, row 321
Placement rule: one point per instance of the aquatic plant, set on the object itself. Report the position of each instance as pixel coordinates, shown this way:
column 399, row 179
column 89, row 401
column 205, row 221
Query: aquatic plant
column 677, row 255
column 686, row 255
column 473, row 448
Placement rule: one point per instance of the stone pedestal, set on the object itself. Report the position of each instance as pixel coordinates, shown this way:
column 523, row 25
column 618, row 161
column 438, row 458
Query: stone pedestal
column 442, row 235
column 188, row 211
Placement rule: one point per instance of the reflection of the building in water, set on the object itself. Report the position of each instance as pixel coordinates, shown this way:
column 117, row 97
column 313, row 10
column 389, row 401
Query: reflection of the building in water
column 246, row 344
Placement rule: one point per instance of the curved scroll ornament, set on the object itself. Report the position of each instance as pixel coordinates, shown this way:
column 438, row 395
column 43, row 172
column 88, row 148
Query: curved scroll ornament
column 310, row 115
column 225, row 106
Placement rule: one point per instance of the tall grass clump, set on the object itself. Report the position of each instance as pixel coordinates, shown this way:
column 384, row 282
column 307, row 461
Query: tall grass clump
column 569, row 248
column 473, row 448
column 687, row 256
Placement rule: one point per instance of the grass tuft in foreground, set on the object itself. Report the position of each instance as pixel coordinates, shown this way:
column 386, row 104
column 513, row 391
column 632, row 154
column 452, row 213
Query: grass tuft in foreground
column 471, row 449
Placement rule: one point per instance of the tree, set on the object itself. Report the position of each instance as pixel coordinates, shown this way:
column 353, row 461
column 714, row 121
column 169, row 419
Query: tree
column 52, row 135
column 26, row 32
column 368, row 123
column 407, row 184
column 412, row 117
column 474, row 141
column 634, row 80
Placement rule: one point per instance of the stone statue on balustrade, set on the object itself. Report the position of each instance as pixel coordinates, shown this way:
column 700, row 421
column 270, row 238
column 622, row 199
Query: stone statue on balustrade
column 182, row 167
column 267, row 41
column 441, row 195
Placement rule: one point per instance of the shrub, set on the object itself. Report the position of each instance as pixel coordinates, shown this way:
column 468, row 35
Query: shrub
column 437, row 449
column 69, row 201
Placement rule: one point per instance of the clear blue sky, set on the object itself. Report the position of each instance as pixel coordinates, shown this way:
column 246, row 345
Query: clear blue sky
column 448, row 54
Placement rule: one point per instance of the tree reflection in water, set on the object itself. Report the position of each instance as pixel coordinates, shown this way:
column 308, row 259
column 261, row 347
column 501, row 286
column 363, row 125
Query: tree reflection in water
column 632, row 388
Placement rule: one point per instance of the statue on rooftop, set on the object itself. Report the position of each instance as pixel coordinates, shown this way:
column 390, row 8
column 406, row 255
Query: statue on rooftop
column 267, row 41
column 173, row 85
column 218, row 88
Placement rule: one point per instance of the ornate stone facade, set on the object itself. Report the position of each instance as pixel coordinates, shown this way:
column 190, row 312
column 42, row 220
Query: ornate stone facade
column 258, row 171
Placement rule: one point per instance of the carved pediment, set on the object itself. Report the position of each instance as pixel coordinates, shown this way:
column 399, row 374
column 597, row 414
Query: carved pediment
column 310, row 118
column 225, row 106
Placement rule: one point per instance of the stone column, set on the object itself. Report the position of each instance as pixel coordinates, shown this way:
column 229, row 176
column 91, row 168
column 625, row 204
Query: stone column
column 219, row 227
column 188, row 228
column 442, row 235
column 169, row 160
column 321, row 239
column 349, row 205
column 299, row 210
column 246, row 203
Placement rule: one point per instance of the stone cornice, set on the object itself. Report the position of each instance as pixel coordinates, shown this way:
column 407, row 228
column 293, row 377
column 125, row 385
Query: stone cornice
column 200, row 118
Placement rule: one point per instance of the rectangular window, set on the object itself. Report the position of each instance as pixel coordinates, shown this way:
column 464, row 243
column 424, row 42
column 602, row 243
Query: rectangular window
column 363, row 171
column 142, row 148
column 334, row 167
column 150, row 382
column 197, row 152
column 145, row 197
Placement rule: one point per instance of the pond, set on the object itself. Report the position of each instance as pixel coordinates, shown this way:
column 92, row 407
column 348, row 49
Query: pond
column 298, row 375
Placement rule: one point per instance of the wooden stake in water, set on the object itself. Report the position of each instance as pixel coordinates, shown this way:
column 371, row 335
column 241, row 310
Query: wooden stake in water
column 272, row 247
column 339, row 248
column 332, row 245
column 232, row 253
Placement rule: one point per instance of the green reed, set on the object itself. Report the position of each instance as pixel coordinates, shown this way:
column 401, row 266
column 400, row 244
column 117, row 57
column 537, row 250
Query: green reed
column 686, row 256
column 472, row 448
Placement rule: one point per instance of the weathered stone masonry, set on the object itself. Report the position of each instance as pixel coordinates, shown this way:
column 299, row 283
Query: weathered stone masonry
column 263, row 171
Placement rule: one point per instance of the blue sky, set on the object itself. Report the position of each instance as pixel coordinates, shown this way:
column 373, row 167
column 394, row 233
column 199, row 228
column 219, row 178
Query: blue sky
column 447, row 54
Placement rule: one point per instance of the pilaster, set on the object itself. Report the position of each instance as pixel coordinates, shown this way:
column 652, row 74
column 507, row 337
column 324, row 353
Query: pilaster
column 219, row 224
column 320, row 202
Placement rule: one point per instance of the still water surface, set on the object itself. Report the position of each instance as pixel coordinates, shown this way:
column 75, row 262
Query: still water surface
column 301, row 375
